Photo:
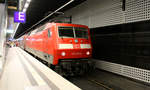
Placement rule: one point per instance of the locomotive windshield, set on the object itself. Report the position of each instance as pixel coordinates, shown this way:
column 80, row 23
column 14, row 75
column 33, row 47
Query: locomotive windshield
column 73, row 32
column 81, row 32
column 66, row 32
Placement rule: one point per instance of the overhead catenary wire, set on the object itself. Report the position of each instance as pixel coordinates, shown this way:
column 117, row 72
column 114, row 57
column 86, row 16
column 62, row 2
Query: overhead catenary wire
column 46, row 17
column 51, row 14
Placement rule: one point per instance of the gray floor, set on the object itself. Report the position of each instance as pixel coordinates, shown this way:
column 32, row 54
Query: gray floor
column 23, row 72
column 103, row 80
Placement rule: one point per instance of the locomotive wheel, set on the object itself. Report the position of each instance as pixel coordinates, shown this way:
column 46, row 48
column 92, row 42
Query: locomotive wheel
column 51, row 66
column 59, row 70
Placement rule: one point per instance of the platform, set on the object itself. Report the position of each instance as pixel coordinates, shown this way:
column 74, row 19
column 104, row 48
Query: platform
column 23, row 72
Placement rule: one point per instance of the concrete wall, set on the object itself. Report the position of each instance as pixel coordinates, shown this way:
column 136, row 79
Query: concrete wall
column 3, row 26
column 98, row 13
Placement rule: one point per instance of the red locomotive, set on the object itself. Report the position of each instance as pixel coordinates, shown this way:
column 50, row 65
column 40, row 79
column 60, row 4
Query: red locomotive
column 61, row 45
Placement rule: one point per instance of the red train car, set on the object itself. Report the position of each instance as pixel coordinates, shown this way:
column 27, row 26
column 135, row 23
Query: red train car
column 61, row 45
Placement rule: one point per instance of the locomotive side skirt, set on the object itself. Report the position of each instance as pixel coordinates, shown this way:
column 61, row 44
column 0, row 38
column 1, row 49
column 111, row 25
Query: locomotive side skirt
column 44, row 56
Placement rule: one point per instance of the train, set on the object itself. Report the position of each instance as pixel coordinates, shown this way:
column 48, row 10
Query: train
column 64, row 47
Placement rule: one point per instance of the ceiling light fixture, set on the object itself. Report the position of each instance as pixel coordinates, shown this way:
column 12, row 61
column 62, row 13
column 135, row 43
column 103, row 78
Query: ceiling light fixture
column 24, row 10
column 28, row 0
column 26, row 5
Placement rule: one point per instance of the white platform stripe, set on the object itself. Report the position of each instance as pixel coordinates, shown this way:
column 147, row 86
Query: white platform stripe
column 39, row 80
column 85, row 46
column 36, row 76
column 63, row 85
column 65, row 46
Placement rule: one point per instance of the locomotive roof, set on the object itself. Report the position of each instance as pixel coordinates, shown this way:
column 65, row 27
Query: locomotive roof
column 69, row 24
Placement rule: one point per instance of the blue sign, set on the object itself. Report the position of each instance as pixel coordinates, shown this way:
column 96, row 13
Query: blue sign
column 19, row 17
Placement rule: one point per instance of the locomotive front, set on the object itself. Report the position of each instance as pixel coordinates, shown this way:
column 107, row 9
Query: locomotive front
column 74, row 47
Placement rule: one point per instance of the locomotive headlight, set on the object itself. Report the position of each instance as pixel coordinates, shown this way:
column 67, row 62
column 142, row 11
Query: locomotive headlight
column 63, row 53
column 87, row 53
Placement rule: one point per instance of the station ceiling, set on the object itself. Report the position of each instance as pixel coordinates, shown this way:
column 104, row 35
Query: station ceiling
column 38, row 9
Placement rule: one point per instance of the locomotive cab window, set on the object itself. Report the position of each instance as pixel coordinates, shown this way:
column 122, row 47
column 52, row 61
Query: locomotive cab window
column 73, row 32
column 66, row 32
column 81, row 32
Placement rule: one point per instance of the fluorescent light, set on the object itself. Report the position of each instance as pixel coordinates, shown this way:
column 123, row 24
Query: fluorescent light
column 12, row 7
column 24, row 10
column 15, row 29
column 9, row 31
column 26, row 5
column 28, row 0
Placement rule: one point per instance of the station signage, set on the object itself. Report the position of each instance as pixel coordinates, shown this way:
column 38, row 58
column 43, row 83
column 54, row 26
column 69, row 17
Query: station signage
column 19, row 17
